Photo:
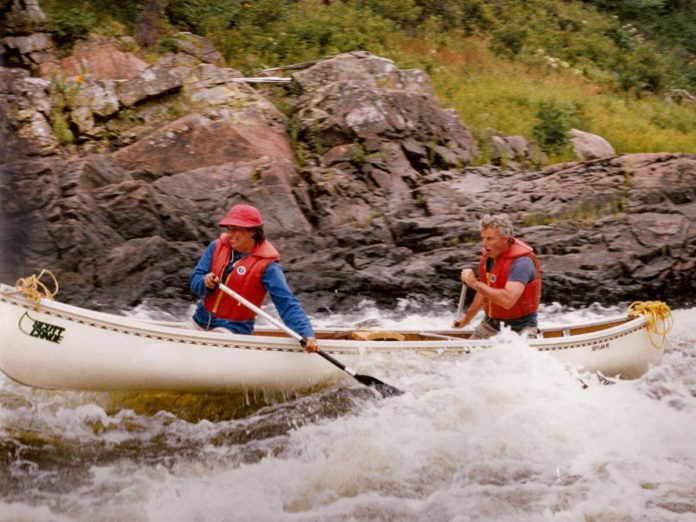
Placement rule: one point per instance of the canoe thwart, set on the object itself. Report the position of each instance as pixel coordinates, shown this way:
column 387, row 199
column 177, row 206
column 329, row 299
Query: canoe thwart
column 376, row 335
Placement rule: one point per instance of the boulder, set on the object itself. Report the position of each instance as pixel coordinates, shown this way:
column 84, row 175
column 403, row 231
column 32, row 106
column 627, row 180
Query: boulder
column 588, row 146
column 100, row 57
column 197, row 46
column 373, row 131
column 92, row 101
column 514, row 151
column 32, row 51
column 153, row 81
column 359, row 97
column 114, row 240
column 24, row 41
column 23, row 17
column 200, row 140
column 630, row 238
column 26, row 111
column 364, row 68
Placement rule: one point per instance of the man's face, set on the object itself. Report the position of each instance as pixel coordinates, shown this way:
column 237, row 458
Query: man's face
column 493, row 243
column 241, row 239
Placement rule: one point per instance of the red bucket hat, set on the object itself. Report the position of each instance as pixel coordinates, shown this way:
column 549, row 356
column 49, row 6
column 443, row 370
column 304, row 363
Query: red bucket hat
column 244, row 216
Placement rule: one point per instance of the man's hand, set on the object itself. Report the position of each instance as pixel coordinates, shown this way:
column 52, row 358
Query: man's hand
column 468, row 278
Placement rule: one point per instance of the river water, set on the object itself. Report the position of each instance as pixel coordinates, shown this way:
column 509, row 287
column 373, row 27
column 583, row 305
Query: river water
column 507, row 434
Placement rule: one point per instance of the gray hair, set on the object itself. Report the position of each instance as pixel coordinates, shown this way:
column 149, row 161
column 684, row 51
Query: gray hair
column 500, row 221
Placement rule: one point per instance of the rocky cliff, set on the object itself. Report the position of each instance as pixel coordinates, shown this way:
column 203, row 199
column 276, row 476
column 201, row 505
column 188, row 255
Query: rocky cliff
column 115, row 172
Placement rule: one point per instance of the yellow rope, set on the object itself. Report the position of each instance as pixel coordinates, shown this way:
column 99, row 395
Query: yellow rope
column 659, row 318
column 33, row 289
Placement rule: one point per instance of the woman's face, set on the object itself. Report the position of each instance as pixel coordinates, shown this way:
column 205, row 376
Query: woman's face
column 241, row 239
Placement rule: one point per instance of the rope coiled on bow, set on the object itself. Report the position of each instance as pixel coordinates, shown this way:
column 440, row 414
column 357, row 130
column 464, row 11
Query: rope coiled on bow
column 34, row 289
column 659, row 318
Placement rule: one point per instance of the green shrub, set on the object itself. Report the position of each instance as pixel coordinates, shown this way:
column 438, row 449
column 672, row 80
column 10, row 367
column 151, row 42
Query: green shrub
column 555, row 120
column 469, row 15
column 405, row 13
column 508, row 41
column 187, row 15
column 605, row 41
column 305, row 32
column 619, row 59
column 62, row 95
column 72, row 25
column 167, row 44
column 126, row 12
column 61, row 128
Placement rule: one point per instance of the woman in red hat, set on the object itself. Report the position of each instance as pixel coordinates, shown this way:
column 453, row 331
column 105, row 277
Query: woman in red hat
column 245, row 261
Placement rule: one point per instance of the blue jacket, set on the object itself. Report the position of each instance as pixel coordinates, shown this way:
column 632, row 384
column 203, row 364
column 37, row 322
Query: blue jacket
column 273, row 280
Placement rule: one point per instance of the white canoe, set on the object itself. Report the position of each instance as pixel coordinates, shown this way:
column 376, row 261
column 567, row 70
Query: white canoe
column 65, row 347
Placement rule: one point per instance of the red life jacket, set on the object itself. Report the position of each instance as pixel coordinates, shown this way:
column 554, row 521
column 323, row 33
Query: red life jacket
column 498, row 276
column 244, row 278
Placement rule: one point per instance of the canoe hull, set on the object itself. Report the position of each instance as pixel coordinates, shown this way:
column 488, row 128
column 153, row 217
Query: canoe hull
column 92, row 356
column 628, row 352
column 64, row 347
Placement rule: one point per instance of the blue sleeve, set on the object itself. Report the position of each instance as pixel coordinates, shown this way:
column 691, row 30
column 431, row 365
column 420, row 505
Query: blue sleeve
column 203, row 267
column 288, row 306
column 523, row 270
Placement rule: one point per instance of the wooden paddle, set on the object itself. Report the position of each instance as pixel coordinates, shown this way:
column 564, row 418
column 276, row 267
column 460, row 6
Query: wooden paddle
column 385, row 389
column 460, row 307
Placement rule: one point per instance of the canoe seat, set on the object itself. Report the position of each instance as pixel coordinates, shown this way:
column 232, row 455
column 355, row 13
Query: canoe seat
column 376, row 335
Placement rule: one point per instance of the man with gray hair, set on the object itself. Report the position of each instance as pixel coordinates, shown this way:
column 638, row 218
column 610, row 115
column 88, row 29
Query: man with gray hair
column 509, row 281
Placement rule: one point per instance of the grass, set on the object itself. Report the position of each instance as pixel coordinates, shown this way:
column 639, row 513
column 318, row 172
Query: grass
column 567, row 53
column 490, row 92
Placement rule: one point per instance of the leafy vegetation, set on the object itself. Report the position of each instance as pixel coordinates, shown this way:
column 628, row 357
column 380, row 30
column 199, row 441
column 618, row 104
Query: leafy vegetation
column 62, row 94
column 71, row 25
column 551, row 133
column 521, row 67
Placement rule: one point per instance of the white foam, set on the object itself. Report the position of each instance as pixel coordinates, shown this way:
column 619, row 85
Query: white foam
column 503, row 434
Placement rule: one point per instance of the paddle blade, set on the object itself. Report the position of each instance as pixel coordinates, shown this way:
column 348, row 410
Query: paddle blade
column 382, row 387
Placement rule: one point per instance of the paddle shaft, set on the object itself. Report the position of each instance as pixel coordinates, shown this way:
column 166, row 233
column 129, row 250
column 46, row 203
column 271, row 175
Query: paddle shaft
column 460, row 306
column 251, row 306
column 462, row 299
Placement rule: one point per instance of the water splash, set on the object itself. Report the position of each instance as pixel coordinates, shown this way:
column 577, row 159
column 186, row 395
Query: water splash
column 505, row 434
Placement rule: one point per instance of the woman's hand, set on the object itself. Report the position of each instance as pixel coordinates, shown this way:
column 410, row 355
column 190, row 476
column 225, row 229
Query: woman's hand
column 311, row 345
column 211, row 280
